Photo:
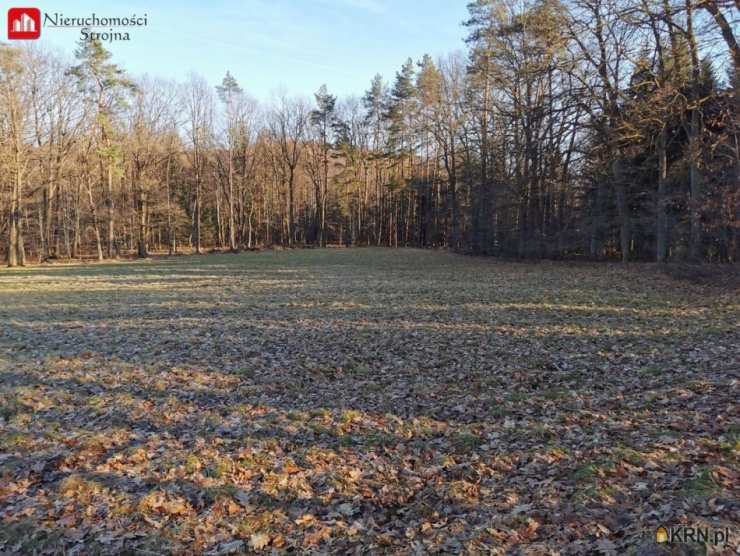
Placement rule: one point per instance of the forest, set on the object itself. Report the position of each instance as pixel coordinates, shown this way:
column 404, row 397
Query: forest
column 586, row 129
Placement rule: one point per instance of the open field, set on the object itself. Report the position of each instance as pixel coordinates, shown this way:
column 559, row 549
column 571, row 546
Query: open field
column 395, row 401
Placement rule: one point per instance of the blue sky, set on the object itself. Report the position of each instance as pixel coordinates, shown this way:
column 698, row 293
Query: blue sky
column 272, row 45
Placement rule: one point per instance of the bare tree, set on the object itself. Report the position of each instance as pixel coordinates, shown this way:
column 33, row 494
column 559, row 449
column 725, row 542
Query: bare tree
column 198, row 101
column 288, row 123
column 13, row 125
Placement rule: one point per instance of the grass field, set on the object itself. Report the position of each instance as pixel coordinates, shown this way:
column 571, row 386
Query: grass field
column 401, row 401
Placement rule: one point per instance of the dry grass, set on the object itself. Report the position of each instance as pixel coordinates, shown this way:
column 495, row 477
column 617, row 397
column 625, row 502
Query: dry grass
column 400, row 401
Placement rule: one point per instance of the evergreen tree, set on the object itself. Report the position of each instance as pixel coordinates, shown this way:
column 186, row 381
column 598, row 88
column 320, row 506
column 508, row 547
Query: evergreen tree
column 375, row 102
column 228, row 92
column 104, row 85
column 323, row 118
column 400, row 113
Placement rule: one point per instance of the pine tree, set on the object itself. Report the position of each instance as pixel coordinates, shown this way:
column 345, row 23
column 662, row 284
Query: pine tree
column 428, row 82
column 228, row 92
column 323, row 118
column 376, row 103
column 400, row 111
column 481, row 40
column 104, row 85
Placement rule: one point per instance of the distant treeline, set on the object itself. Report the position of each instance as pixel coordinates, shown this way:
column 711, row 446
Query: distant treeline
column 590, row 128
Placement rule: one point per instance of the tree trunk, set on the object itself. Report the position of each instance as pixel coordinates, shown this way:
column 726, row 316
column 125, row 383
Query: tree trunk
column 96, row 225
column 290, row 207
column 13, row 228
column 622, row 209
column 77, row 233
column 142, row 251
column 727, row 32
column 171, row 239
column 661, row 233
column 696, row 178
column 112, row 251
column 232, row 229
column 695, row 182
column 197, row 211
column 597, row 221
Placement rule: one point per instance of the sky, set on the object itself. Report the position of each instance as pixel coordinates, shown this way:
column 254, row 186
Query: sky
column 270, row 46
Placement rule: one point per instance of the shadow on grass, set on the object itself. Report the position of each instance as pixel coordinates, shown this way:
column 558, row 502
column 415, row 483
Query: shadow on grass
column 182, row 405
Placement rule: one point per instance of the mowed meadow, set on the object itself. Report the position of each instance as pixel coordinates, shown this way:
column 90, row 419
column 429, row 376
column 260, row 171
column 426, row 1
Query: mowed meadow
column 377, row 400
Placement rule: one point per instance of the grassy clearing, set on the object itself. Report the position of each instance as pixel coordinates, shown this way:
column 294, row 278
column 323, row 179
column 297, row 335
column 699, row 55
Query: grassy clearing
column 397, row 400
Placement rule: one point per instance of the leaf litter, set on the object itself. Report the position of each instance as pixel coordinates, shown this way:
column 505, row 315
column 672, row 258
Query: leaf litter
column 338, row 400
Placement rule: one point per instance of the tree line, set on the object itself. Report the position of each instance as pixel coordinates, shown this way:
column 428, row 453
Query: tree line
column 603, row 129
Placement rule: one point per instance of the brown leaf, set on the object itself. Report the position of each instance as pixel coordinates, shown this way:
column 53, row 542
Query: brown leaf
column 258, row 541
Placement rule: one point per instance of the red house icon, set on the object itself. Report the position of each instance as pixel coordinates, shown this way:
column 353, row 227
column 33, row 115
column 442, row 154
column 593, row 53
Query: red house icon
column 24, row 23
